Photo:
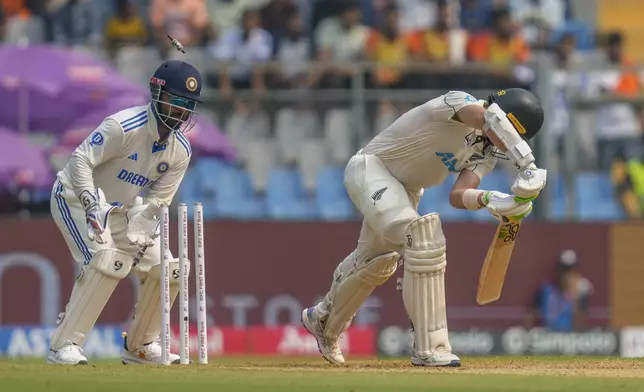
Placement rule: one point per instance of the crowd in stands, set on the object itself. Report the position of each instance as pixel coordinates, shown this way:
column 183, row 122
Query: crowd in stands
column 401, row 37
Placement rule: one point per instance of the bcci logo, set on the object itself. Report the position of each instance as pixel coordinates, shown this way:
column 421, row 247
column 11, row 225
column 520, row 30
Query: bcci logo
column 191, row 84
column 163, row 167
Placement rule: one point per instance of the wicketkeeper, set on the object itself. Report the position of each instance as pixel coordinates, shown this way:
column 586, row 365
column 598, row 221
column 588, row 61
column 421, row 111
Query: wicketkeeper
column 453, row 133
column 111, row 231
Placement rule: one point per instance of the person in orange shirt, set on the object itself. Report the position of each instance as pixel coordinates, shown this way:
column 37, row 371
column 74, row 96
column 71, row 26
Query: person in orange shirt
column 434, row 44
column 387, row 46
column 503, row 46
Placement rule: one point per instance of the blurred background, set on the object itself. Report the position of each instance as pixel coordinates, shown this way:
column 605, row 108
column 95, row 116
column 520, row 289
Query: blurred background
column 293, row 89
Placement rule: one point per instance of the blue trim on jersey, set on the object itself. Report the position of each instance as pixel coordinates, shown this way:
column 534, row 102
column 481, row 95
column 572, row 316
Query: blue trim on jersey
column 133, row 119
column 183, row 140
column 138, row 124
column 69, row 223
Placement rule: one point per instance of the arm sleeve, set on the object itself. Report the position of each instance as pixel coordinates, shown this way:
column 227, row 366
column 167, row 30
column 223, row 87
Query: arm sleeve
column 102, row 145
column 164, row 188
column 445, row 107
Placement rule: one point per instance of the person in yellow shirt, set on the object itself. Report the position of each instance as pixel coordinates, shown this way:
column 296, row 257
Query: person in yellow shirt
column 387, row 46
column 125, row 28
column 433, row 44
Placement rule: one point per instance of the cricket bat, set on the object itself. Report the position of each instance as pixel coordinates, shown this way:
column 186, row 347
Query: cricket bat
column 496, row 262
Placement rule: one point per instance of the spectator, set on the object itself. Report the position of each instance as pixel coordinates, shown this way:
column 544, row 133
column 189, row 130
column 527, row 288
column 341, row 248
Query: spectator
column 126, row 28
column 340, row 40
column 505, row 50
column 562, row 304
column 292, row 53
column 274, row 15
column 628, row 182
column 415, row 14
column 80, row 22
column 565, row 57
column 503, row 46
column 538, row 18
column 226, row 14
column 475, row 14
column 444, row 42
column 248, row 45
column 184, row 20
column 389, row 48
column 617, row 124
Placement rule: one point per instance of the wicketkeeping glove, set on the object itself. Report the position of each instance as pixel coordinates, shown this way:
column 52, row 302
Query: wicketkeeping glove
column 97, row 212
column 143, row 224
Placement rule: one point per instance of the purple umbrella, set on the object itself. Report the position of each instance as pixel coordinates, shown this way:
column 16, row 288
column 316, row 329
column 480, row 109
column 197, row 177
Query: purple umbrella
column 21, row 160
column 52, row 86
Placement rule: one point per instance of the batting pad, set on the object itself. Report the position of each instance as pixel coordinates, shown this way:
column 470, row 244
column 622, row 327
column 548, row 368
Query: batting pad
column 350, row 293
column 423, row 284
column 146, row 326
column 93, row 288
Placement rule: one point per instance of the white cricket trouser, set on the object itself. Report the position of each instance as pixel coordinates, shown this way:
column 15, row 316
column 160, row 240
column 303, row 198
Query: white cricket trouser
column 388, row 209
column 387, row 206
column 69, row 215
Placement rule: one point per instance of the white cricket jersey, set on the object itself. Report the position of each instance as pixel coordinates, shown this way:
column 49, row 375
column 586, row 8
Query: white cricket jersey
column 424, row 145
column 124, row 157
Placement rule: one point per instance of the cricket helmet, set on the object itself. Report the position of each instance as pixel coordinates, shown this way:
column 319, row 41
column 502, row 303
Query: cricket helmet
column 175, row 89
column 522, row 108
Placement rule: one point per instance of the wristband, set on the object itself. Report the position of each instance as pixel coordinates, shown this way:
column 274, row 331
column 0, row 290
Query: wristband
column 472, row 199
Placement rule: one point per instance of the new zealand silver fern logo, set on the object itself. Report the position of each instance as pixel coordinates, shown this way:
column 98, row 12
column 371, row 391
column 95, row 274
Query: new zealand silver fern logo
column 377, row 195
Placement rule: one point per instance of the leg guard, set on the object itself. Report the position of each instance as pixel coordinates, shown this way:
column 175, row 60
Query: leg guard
column 92, row 290
column 424, row 284
column 146, row 326
column 349, row 291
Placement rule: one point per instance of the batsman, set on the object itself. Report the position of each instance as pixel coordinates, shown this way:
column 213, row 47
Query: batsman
column 106, row 203
column 452, row 134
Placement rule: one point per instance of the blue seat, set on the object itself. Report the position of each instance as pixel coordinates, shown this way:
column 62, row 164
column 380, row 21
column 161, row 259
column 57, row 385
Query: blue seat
column 557, row 208
column 226, row 192
column 241, row 209
column 584, row 34
column 286, row 197
column 592, row 186
column 496, row 180
column 430, row 200
column 607, row 210
column 331, row 198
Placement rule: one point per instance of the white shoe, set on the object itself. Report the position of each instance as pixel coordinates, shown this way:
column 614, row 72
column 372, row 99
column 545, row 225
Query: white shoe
column 149, row 354
column 329, row 350
column 440, row 357
column 69, row 354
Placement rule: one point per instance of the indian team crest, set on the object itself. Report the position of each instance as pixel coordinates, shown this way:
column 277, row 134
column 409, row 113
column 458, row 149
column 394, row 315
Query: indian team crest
column 163, row 167
column 191, row 84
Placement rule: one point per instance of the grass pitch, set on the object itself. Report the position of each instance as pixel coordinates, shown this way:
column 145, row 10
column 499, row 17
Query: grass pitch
column 524, row 374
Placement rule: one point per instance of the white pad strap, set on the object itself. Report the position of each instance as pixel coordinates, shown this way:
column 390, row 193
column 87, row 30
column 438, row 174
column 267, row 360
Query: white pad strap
column 92, row 290
column 424, row 284
column 146, row 326
column 518, row 149
column 351, row 292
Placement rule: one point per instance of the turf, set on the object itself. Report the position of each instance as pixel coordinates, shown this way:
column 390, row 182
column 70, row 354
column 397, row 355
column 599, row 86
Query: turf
column 522, row 374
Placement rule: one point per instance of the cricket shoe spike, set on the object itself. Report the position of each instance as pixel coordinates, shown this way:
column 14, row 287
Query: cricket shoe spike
column 441, row 357
column 149, row 354
column 69, row 354
column 329, row 350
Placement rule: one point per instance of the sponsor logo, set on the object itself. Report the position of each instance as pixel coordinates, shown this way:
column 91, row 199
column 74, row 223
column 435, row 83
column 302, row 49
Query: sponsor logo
column 134, row 178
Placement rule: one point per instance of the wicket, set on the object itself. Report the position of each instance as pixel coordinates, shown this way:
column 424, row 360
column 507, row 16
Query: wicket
column 183, row 276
